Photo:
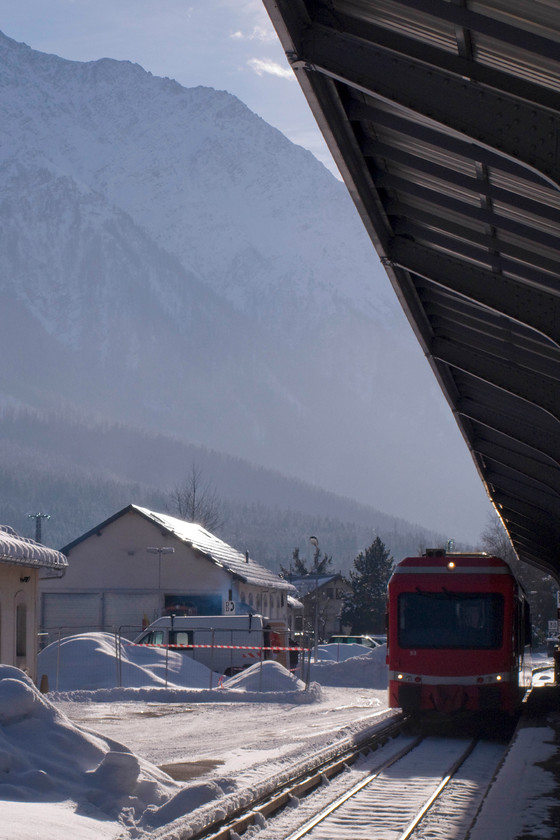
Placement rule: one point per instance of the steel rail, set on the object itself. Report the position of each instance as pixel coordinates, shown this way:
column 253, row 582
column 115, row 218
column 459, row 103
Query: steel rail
column 308, row 826
column 438, row 791
column 333, row 806
column 299, row 786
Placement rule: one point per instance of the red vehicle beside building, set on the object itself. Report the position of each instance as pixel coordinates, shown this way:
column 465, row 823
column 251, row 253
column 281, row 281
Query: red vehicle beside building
column 458, row 628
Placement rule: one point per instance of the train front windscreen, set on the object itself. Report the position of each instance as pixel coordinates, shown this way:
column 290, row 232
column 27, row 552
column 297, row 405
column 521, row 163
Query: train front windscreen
column 455, row 620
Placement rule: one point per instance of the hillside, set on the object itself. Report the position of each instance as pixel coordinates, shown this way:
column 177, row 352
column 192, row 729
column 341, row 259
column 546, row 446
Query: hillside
column 80, row 474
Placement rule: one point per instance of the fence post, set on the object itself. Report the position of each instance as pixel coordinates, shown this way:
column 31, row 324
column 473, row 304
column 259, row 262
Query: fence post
column 261, row 657
column 166, row 663
column 212, row 657
column 117, row 656
column 58, row 659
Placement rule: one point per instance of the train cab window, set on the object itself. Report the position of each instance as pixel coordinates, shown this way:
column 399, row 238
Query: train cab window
column 450, row 620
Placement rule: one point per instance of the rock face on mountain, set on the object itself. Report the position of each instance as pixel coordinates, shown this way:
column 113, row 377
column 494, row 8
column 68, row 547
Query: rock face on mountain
column 168, row 259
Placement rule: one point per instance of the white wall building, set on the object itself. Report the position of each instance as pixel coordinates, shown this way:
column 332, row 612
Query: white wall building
column 138, row 565
column 21, row 562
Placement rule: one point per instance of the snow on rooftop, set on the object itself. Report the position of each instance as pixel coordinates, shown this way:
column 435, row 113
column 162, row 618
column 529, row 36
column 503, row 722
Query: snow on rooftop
column 220, row 552
column 311, row 582
column 23, row 551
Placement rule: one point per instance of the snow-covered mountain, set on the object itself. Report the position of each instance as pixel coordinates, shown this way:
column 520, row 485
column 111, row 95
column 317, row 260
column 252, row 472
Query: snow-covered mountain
column 170, row 260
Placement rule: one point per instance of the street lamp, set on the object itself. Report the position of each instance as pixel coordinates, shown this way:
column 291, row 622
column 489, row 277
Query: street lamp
column 38, row 517
column 315, row 542
column 166, row 549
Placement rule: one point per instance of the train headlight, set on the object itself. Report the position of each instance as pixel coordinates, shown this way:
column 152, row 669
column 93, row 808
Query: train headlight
column 499, row 677
column 451, row 565
column 400, row 676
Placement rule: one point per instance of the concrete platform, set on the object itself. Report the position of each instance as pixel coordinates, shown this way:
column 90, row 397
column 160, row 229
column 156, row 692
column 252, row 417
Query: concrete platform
column 524, row 799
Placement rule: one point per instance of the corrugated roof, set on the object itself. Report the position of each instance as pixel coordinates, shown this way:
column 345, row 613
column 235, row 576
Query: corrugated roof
column 22, row 551
column 444, row 120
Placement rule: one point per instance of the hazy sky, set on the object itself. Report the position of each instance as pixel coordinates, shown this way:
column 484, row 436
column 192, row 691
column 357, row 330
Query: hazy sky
column 225, row 44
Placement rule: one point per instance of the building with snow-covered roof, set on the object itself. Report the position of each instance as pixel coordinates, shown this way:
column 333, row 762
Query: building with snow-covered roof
column 138, row 565
column 322, row 597
column 21, row 562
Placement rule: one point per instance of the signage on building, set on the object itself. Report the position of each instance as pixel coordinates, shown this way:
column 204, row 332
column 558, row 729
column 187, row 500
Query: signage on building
column 229, row 607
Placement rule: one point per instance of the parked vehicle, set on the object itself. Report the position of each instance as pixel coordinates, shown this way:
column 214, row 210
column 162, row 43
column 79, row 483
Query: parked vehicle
column 368, row 641
column 224, row 643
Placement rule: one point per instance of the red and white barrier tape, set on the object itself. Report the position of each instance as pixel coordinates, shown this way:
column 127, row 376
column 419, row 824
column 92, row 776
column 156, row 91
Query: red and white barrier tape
column 216, row 647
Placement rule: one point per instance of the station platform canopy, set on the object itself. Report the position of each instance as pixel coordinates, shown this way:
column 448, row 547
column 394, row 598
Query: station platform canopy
column 443, row 117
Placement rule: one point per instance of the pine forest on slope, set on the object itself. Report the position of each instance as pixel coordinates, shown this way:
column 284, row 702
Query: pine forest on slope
column 81, row 474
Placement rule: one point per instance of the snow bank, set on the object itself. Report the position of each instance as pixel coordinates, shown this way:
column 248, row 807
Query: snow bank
column 367, row 670
column 46, row 758
column 335, row 652
column 88, row 668
column 90, row 661
column 268, row 676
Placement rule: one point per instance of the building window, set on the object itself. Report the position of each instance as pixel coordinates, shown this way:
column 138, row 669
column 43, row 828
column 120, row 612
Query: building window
column 21, row 630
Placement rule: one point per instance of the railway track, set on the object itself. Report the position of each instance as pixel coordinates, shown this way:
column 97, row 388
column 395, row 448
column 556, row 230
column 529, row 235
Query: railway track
column 391, row 801
column 393, row 786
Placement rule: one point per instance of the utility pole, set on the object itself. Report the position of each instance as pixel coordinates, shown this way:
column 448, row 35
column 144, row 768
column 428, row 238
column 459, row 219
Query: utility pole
column 315, row 542
column 38, row 517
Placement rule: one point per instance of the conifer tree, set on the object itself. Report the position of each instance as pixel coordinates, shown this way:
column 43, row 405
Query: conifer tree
column 364, row 606
column 319, row 566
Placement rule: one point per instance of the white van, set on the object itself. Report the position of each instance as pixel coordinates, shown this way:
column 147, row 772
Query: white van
column 228, row 643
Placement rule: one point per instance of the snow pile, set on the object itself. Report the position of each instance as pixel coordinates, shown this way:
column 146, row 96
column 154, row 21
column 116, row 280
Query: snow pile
column 339, row 652
column 46, row 758
column 270, row 676
column 88, row 666
column 90, row 661
column 367, row 670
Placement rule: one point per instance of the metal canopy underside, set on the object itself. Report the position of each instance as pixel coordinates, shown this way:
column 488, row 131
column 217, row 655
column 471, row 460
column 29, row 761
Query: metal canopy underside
column 443, row 117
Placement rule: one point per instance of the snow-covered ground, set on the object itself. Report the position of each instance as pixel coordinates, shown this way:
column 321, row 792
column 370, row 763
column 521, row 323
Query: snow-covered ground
column 93, row 760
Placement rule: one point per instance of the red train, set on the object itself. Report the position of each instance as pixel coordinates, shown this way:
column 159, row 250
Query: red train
column 458, row 627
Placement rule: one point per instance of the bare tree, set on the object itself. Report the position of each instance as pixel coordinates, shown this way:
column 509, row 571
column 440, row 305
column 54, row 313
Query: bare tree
column 196, row 500
column 539, row 586
column 496, row 541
